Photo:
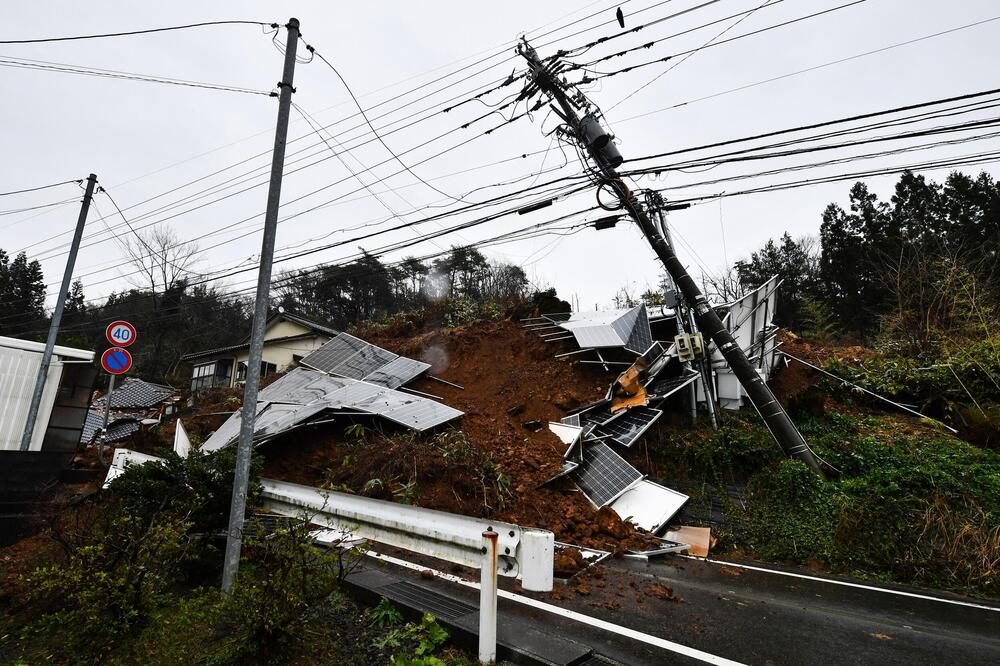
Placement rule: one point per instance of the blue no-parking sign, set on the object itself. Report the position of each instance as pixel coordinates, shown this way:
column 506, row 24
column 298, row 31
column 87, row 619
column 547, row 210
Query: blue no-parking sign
column 116, row 360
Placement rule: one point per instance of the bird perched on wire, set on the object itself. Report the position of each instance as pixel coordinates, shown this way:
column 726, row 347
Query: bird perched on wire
column 621, row 17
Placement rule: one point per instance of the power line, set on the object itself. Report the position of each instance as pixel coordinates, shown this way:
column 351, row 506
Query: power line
column 606, row 75
column 47, row 66
column 41, row 40
column 446, row 76
column 814, row 125
column 507, row 236
column 813, row 68
column 826, row 123
column 766, row 3
column 364, row 115
column 40, row 187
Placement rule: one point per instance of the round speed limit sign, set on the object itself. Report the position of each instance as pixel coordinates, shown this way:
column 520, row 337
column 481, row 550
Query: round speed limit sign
column 120, row 333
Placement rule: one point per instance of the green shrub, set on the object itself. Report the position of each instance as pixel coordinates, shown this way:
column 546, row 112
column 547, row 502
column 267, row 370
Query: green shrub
column 282, row 577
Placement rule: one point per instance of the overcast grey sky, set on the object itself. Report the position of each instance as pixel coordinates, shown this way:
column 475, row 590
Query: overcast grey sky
column 144, row 139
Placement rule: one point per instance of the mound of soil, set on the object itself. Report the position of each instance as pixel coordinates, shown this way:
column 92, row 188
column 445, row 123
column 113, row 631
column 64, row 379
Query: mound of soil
column 510, row 380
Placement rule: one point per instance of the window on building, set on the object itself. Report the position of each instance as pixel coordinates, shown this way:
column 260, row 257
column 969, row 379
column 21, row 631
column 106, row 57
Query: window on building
column 211, row 374
column 203, row 376
column 265, row 370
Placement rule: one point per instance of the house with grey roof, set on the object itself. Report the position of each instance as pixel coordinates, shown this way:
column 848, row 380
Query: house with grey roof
column 288, row 338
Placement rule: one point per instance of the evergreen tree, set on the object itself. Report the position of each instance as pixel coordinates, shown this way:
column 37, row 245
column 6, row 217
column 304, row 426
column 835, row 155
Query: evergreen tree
column 22, row 297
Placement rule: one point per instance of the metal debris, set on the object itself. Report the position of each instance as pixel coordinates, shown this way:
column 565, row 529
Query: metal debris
column 305, row 396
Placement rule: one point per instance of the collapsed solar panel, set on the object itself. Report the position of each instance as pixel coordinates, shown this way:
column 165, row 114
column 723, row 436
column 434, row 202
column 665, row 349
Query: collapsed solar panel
column 629, row 426
column 348, row 356
column 397, row 372
column 303, row 394
column 603, row 475
column 662, row 388
column 609, row 328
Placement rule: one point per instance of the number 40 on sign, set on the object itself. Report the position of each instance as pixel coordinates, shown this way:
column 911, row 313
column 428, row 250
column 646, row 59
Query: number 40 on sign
column 120, row 333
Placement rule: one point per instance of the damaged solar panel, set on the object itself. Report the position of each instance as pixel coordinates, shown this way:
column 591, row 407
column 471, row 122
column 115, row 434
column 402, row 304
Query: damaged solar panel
column 661, row 388
column 628, row 427
column 397, row 372
column 609, row 328
column 305, row 395
column 347, row 356
column 603, row 475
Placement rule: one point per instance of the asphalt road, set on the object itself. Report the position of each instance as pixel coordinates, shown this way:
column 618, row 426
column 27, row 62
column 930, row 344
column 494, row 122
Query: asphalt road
column 754, row 617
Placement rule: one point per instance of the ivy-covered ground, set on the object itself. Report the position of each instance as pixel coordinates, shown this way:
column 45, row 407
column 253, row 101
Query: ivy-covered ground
column 913, row 504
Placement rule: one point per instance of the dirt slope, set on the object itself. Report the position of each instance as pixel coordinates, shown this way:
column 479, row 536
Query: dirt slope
column 510, row 378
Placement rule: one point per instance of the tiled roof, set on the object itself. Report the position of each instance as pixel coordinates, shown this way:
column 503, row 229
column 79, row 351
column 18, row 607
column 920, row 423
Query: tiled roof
column 137, row 394
column 118, row 429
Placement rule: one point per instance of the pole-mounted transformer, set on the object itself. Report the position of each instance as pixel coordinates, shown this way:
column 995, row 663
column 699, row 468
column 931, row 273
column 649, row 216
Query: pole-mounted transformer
column 600, row 145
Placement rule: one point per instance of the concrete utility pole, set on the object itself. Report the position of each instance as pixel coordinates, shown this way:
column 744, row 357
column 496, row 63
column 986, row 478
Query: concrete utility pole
column 50, row 343
column 237, row 509
column 600, row 145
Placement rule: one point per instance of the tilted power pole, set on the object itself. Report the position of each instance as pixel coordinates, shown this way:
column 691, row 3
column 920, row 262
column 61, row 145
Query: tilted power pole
column 602, row 150
column 241, row 479
column 50, row 342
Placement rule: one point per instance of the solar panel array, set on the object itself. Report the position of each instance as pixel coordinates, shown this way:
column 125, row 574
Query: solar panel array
column 628, row 427
column 604, row 474
column 347, row 356
column 303, row 394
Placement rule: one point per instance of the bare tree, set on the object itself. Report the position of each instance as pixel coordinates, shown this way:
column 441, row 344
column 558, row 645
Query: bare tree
column 161, row 259
column 723, row 287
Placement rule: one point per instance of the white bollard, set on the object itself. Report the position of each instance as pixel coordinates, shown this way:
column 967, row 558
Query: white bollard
column 488, row 600
column 535, row 559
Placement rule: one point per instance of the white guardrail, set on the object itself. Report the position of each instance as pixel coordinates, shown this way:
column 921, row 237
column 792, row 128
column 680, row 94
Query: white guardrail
column 495, row 548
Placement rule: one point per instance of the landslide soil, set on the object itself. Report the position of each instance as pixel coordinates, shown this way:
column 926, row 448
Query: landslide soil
column 510, row 378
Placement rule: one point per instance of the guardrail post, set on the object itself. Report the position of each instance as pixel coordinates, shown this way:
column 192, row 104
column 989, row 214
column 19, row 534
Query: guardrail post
column 488, row 600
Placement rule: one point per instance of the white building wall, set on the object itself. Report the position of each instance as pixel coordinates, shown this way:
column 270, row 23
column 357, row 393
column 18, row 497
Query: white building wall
column 19, row 362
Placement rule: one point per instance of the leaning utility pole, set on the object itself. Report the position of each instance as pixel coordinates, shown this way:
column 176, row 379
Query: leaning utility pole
column 599, row 144
column 50, row 342
column 241, row 479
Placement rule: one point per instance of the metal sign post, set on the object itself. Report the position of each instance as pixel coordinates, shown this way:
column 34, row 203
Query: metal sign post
column 115, row 361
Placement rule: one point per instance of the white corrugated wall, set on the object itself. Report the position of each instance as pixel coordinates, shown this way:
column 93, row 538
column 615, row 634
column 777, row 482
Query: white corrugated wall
column 18, row 369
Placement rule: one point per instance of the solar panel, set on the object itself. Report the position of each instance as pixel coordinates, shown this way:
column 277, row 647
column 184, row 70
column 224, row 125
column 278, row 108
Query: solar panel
column 366, row 361
column 334, row 353
column 628, row 427
column 567, row 467
column 640, row 338
column 603, row 475
column 597, row 417
column 397, row 372
column 302, row 386
column 662, row 388
column 625, row 324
